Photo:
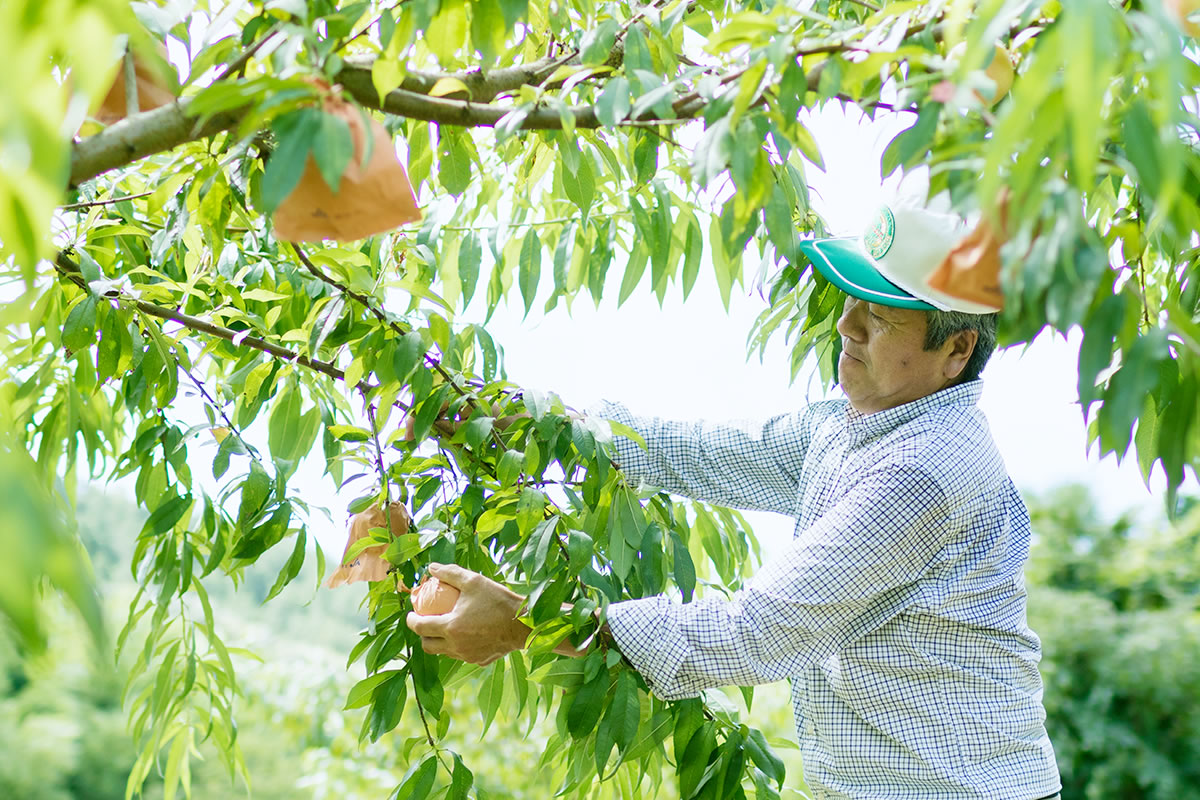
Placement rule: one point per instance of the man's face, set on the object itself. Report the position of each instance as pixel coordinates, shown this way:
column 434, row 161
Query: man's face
column 884, row 362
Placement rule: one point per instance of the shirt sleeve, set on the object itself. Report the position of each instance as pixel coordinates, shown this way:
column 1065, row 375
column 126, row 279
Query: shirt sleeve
column 750, row 466
column 846, row 575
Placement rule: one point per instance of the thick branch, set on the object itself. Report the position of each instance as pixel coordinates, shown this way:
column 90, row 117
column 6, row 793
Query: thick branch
column 142, row 135
column 483, row 86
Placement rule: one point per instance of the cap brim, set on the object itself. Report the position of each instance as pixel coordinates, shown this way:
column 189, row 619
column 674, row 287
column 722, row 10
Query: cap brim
column 843, row 262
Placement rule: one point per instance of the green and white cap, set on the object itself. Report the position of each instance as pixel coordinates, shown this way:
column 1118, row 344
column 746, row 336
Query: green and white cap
column 891, row 262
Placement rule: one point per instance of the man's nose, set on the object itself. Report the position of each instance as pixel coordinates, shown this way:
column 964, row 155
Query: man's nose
column 849, row 324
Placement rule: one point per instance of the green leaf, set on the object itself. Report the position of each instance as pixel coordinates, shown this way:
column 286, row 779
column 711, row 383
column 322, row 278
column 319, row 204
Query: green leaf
column 349, row 433
column 684, row 571
column 294, row 133
column 793, row 86
column 614, row 102
column 763, row 757
column 292, row 568
column 360, row 694
column 530, row 267
column 407, row 352
column 912, row 143
column 587, row 705
column 491, row 694
column 255, row 491
column 509, row 467
column 454, row 161
column 461, row 780
column 418, row 784
column 163, row 518
column 692, row 765
column 596, row 44
column 79, row 330
column 332, row 149
column 580, row 184
column 285, row 423
column 1142, row 148
column 580, row 549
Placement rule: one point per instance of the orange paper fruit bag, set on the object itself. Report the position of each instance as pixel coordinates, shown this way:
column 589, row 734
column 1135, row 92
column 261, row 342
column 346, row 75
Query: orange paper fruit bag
column 152, row 90
column 372, row 198
column 971, row 270
column 370, row 564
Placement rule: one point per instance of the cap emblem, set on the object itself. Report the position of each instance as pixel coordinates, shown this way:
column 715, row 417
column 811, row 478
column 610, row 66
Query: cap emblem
column 879, row 237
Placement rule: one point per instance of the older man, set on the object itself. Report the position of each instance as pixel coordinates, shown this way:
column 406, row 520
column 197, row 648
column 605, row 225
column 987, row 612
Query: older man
column 898, row 611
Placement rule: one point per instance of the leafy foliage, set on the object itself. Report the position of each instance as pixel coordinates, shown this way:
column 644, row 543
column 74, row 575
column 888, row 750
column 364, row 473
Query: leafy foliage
column 549, row 142
column 1115, row 605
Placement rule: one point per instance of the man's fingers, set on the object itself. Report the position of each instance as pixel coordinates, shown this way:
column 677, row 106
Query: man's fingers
column 451, row 574
column 433, row 645
column 426, row 625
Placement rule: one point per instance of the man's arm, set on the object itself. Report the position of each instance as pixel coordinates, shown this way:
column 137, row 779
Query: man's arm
column 848, row 574
column 745, row 466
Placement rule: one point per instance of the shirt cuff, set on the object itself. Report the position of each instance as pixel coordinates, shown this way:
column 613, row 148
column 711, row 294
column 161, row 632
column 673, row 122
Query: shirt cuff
column 630, row 457
column 647, row 633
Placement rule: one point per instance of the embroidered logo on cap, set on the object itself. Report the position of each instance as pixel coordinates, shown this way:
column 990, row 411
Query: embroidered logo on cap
column 879, row 237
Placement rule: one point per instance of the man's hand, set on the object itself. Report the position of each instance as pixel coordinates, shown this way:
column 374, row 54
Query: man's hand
column 483, row 624
column 481, row 627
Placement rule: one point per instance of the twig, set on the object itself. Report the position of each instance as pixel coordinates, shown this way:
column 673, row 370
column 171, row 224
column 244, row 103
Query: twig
column 110, row 200
column 239, row 64
column 70, row 269
column 131, row 88
column 366, row 29
column 535, row 223
column 383, row 479
column 220, row 410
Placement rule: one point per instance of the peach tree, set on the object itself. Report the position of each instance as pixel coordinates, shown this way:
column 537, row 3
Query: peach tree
column 164, row 326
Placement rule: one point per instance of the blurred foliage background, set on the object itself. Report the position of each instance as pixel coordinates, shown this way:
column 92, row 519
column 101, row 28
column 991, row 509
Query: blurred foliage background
column 1115, row 602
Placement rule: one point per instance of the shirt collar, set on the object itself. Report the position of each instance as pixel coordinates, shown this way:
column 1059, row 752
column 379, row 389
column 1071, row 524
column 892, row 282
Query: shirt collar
column 864, row 427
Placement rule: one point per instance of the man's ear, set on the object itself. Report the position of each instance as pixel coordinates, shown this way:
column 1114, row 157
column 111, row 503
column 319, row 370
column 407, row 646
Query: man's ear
column 961, row 345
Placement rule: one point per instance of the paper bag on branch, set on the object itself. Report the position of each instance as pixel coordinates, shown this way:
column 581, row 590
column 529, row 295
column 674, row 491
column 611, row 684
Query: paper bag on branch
column 152, row 89
column 369, row 565
column 372, row 198
column 971, row 270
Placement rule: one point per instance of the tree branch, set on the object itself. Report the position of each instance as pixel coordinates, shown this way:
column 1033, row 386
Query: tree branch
column 142, row 135
column 64, row 265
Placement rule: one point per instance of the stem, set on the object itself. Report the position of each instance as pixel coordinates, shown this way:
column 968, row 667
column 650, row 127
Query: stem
column 131, row 89
column 238, row 66
column 421, row 710
column 105, row 202
column 216, row 407
column 383, row 479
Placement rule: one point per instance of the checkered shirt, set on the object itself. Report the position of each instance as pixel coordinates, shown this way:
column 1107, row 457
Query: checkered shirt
column 897, row 611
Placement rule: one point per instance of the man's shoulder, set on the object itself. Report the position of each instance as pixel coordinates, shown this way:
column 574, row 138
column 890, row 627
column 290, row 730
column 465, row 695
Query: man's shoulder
column 953, row 444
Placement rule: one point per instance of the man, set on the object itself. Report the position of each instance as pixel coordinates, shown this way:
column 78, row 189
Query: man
column 898, row 611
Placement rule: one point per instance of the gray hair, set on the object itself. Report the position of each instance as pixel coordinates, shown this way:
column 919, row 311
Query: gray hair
column 941, row 325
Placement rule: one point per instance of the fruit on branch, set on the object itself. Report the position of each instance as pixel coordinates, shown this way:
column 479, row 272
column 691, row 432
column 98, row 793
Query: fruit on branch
column 370, row 564
column 971, row 270
column 999, row 70
column 373, row 197
column 1181, row 11
column 432, row 597
column 152, row 89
